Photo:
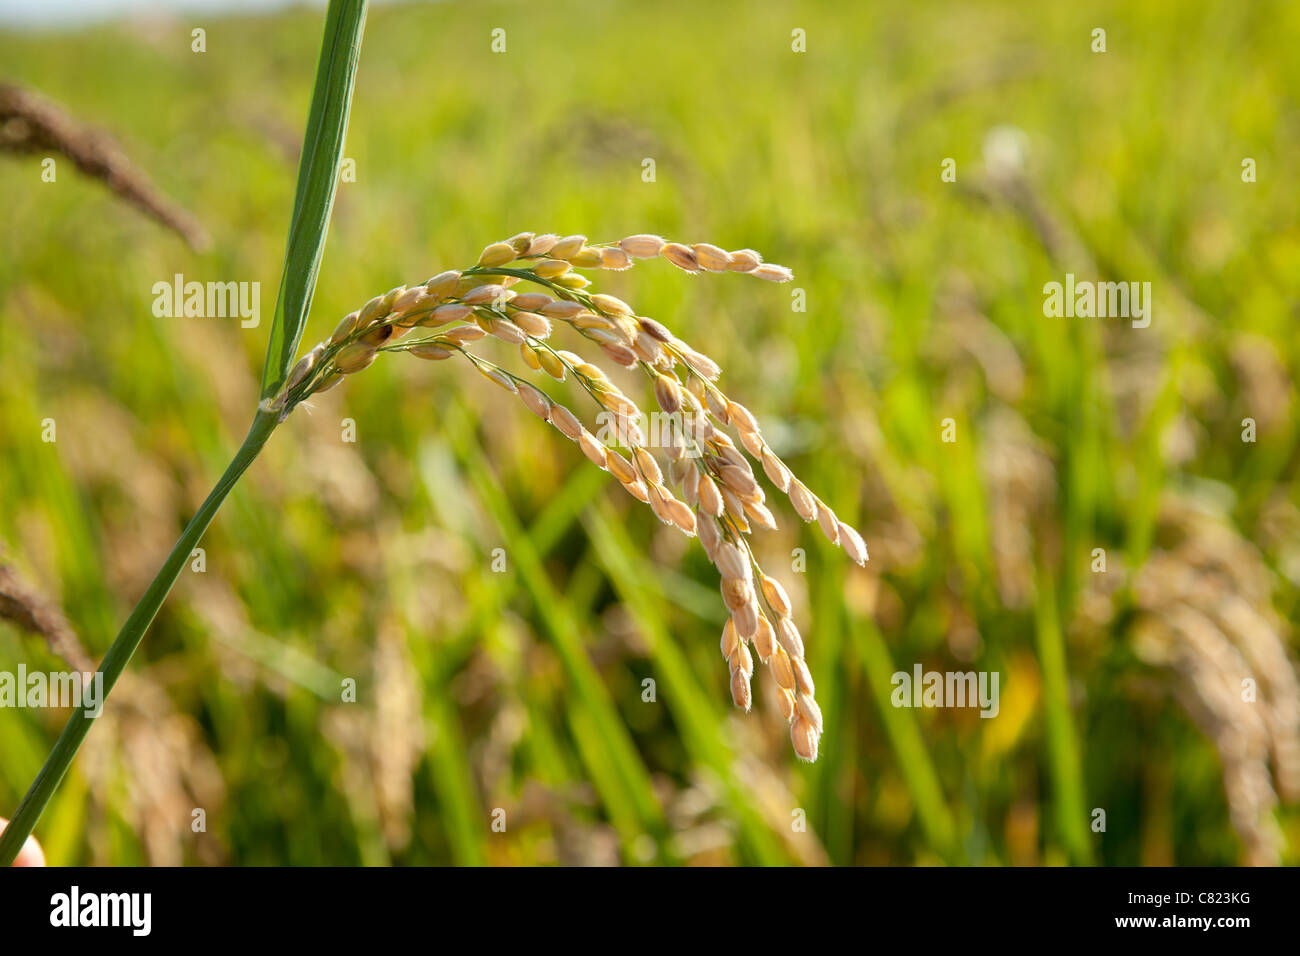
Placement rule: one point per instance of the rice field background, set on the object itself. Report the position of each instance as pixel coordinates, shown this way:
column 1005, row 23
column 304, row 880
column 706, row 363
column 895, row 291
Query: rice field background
column 501, row 716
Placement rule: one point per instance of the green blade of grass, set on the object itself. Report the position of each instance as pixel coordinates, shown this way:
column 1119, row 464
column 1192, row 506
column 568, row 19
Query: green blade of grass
column 1062, row 744
column 905, row 735
column 700, row 722
column 317, row 180
column 605, row 745
column 322, row 148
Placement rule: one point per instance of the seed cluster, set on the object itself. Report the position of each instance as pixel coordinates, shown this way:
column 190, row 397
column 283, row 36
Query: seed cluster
column 718, row 497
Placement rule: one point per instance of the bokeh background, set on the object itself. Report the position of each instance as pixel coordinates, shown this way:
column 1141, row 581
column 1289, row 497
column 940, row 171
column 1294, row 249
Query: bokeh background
column 522, row 691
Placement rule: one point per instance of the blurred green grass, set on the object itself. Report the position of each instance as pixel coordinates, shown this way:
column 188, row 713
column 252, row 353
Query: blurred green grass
column 522, row 691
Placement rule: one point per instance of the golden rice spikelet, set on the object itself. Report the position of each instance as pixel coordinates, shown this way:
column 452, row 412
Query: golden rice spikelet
column 610, row 304
column 709, row 488
column 568, row 247
column 354, row 357
column 552, row 365
column 497, row 254
column 681, row 256
column 531, row 301
column 804, row 738
column 552, row 268
column 614, row 258
column 535, row 401
column 642, row 246
column 764, row 639
column 432, row 352
column 564, row 420
column 772, row 272
column 711, row 258
column 541, row 245
column 587, row 258
column 535, row 325
column 347, row 325
column 487, row 294
column 562, row 309
column 497, row 377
